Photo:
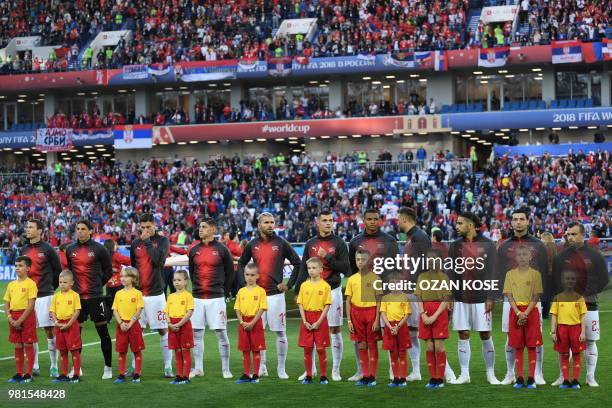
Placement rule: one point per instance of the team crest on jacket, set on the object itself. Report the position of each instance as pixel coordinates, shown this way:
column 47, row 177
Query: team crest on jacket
column 70, row 302
column 41, row 255
column 133, row 300
column 182, row 303
column 275, row 247
column 320, row 293
column 255, row 297
column 215, row 253
column 91, row 254
column 23, row 289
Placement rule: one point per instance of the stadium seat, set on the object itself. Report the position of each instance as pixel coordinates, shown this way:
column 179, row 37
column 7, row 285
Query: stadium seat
column 589, row 103
column 580, row 103
column 571, row 103
column 445, row 109
column 563, row 104
column 554, row 104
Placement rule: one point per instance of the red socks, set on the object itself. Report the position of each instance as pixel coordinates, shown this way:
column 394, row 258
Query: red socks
column 308, row 360
column 64, row 362
column 430, row 356
column 577, row 361
column 394, row 363
column 565, row 365
column 186, row 362
column 322, row 362
column 364, row 362
column 121, row 361
column 403, row 363
column 178, row 356
column 373, row 350
column 441, row 361
column 76, row 361
column 531, row 355
column 246, row 362
column 138, row 362
column 519, row 361
column 29, row 352
column 256, row 362
column 19, row 360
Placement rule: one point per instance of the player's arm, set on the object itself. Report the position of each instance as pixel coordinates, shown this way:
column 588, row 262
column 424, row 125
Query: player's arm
column 303, row 271
column 553, row 323
column 228, row 267
column 7, row 309
column 136, row 317
column 158, row 255
column 339, row 262
column 376, row 324
column 598, row 278
column 106, row 263
column 491, row 275
column 73, row 319
column 439, row 310
column 56, row 266
column 323, row 316
column 290, row 254
column 347, row 307
column 133, row 254
column 303, row 316
column 385, row 320
column 351, row 258
column 243, row 261
column 122, row 259
column 185, row 318
column 535, row 298
column 582, row 327
column 27, row 312
column 403, row 320
column 258, row 315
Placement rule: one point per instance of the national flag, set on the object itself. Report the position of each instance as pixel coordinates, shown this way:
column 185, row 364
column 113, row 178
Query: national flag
column 133, row 136
column 606, row 49
column 280, row 66
column 160, row 69
column 564, row 52
column 591, row 52
column 407, row 59
column 247, row 64
column 440, row 61
column 493, row 57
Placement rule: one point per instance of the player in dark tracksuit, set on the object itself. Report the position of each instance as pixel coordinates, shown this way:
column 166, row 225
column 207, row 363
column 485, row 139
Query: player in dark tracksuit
column 148, row 254
column 333, row 252
column 380, row 245
column 44, row 271
column 591, row 279
column 91, row 266
column 211, row 270
column 473, row 304
column 506, row 260
column 269, row 251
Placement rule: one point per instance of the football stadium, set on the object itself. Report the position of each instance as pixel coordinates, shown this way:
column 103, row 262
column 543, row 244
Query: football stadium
column 346, row 203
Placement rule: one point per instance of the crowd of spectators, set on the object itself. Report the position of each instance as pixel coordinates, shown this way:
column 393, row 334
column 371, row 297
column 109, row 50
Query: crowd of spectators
column 235, row 190
column 165, row 31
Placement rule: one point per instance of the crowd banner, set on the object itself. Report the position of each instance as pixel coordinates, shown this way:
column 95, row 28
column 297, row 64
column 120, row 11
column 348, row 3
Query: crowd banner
column 53, row 139
column 135, row 72
column 493, row 57
column 564, row 52
column 499, row 14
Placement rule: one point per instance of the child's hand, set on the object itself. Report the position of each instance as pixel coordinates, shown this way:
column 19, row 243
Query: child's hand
column 350, row 327
column 248, row 326
column 582, row 337
column 553, row 336
column 450, row 306
column 308, row 326
column 427, row 320
column 173, row 327
column 63, row 327
column 394, row 330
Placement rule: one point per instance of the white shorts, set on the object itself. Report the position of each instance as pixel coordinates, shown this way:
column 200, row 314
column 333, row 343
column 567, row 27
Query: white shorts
column 413, row 320
column 209, row 312
column 41, row 308
column 591, row 321
column 471, row 316
column 153, row 314
column 336, row 310
column 506, row 316
column 275, row 318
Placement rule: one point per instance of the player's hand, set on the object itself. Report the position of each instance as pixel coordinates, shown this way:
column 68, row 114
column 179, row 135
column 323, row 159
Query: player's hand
column 316, row 325
column 450, row 306
column 248, row 327
column 282, row 287
column 582, row 337
column 394, row 330
column 376, row 326
column 321, row 253
column 64, row 327
column 489, row 306
column 144, row 235
column 553, row 336
column 350, row 327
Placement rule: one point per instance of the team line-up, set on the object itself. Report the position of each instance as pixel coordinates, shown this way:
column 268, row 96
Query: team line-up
column 566, row 287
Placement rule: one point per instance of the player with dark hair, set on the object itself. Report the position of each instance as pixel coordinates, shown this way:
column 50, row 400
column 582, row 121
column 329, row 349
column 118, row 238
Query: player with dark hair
column 472, row 308
column 591, row 278
column 148, row 254
column 332, row 251
column 44, row 272
column 269, row 251
column 91, row 267
column 380, row 245
column 211, row 269
column 507, row 260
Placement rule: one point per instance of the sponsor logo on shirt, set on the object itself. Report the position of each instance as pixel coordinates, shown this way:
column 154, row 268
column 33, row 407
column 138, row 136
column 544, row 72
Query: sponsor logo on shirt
column 182, row 303
column 275, row 248
column 133, row 300
column 91, row 254
column 70, row 302
column 255, row 297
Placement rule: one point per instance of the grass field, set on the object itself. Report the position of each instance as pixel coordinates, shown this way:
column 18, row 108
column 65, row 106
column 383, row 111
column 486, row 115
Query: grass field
column 213, row 390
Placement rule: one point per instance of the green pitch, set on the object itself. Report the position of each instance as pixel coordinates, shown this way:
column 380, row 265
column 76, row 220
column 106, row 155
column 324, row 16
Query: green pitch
column 213, row 391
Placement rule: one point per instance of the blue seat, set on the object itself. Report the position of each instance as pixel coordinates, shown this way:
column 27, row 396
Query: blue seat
column 469, row 107
column 580, row 103
column 453, row 108
column 524, row 105
column 541, row 105
column 554, row 104
column 445, row 109
column 461, row 108
column 571, row 103
column 588, row 103
column 515, row 105
column 506, row 106
column 563, row 104
column 478, row 107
